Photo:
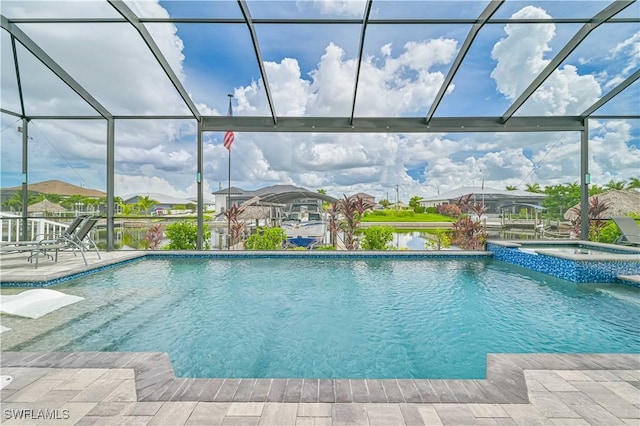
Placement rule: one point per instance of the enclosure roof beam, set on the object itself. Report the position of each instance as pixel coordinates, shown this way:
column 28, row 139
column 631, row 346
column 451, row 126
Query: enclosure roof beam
column 256, row 48
column 42, row 56
column 292, row 21
column 15, row 114
column 466, row 45
column 17, row 69
column 363, row 32
column 391, row 124
column 586, row 29
column 133, row 19
column 606, row 98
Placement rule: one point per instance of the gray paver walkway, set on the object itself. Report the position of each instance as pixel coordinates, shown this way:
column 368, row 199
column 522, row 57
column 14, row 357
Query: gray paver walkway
column 106, row 389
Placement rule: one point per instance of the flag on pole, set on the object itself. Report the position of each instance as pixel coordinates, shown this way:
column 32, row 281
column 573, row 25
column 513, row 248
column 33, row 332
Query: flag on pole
column 229, row 136
column 228, row 140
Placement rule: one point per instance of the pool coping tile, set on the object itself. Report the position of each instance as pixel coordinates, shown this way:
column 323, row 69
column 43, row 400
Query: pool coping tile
column 155, row 379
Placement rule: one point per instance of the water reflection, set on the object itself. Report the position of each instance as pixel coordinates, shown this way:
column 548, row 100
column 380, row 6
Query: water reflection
column 409, row 240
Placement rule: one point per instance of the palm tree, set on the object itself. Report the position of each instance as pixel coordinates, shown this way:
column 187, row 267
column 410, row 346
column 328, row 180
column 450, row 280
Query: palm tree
column 145, row 204
column 511, row 187
column 633, row 183
column 616, row 184
column 15, row 201
column 533, row 187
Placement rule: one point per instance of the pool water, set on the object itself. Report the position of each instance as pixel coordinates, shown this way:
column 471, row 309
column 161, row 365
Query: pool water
column 333, row 318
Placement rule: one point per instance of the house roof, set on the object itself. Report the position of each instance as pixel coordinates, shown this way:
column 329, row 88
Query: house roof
column 160, row 198
column 60, row 188
column 466, row 190
column 234, row 191
column 280, row 194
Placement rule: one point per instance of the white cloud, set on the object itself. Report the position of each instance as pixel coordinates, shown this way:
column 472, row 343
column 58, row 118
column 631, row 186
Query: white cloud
column 520, row 55
column 400, row 80
column 353, row 8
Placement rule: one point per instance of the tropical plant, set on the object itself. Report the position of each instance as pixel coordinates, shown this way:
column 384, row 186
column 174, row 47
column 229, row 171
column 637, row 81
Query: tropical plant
column 350, row 220
column 438, row 240
column 377, row 238
column 236, row 227
column 145, row 204
column 183, row 235
column 596, row 219
column 609, row 233
column 559, row 198
column 511, row 187
column 619, row 185
column 466, row 205
column 384, row 203
column 450, row 210
column 153, row 237
column 633, row 183
column 361, row 204
column 468, row 233
column 414, row 202
column 15, row 201
column 266, row 239
column 533, row 187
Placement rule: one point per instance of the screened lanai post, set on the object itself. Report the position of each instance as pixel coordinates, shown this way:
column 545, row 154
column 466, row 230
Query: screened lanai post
column 110, row 183
column 199, row 178
column 585, row 180
column 25, row 174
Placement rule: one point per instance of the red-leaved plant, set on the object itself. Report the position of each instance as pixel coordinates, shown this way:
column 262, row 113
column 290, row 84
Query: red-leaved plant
column 352, row 208
column 154, row 236
column 468, row 233
column 596, row 218
column 233, row 216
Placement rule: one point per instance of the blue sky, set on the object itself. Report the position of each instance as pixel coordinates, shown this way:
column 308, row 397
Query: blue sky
column 311, row 71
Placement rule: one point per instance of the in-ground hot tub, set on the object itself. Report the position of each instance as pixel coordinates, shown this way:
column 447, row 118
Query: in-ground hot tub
column 577, row 261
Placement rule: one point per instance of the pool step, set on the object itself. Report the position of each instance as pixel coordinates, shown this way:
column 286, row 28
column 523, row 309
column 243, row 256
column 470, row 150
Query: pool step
column 47, row 339
column 633, row 279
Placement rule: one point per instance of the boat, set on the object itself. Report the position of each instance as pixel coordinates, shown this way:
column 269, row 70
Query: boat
column 304, row 224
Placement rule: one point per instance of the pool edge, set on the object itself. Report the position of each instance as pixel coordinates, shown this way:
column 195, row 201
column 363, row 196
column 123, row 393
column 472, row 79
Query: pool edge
column 155, row 379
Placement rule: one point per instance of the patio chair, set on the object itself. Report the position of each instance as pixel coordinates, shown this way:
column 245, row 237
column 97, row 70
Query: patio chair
column 629, row 230
column 80, row 240
column 73, row 226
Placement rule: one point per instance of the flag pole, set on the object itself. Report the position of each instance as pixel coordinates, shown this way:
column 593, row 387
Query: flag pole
column 229, row 185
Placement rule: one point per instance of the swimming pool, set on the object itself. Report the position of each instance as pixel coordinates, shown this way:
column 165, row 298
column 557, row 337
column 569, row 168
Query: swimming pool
column 332, row 318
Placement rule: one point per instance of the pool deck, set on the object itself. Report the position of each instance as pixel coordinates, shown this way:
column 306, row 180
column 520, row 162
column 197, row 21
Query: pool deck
column 87, row 388
column 93, row 388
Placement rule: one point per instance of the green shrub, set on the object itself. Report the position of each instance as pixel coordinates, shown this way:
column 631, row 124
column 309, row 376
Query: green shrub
column 325, row 247
column 266, row 239
column 377, row 238
column 609, row 233
column 430, row 210
column 184, row 236
column 438, row 240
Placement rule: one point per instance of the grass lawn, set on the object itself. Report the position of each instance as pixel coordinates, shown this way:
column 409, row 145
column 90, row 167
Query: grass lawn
column 404, row 216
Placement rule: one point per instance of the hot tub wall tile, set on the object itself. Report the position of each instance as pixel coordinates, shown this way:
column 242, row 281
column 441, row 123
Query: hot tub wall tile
column 582, row 271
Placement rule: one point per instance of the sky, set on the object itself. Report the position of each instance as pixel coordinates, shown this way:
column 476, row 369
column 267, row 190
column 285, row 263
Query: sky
column 311, row 72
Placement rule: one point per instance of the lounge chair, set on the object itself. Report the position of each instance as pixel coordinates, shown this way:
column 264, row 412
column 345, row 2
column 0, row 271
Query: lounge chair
column 35, row 248
column 629, row 230
column 80, row 239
